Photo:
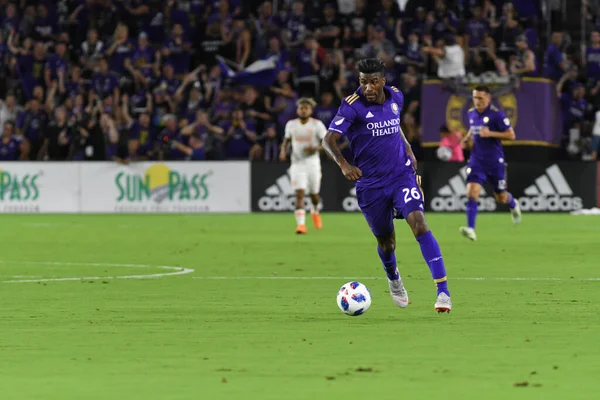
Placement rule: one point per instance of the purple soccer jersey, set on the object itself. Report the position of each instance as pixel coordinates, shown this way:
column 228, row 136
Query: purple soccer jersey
column 487, row 164
column 388, row 187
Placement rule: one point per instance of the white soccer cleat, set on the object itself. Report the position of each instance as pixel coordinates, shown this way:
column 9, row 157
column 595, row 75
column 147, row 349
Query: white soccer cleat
column 443, row 303
column 468, row 233
column 516, row 213
column 398, row 292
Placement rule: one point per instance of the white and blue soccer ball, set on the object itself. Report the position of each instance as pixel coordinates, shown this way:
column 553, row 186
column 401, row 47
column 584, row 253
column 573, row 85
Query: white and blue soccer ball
column 444, row 153
column 354, row 298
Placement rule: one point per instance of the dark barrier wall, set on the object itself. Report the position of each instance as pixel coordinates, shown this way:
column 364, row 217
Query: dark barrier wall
column 545, row 187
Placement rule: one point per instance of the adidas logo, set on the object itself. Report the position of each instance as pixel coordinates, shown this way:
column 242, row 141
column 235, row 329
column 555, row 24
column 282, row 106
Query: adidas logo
column 369, row 115
column 281, row 196
column 551, row 183
column 453, row 195
column 350, row 204
column 550, row 192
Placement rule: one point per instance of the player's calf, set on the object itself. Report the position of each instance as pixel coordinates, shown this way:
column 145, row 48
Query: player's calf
column 300, row 213
column 314, row 211
column 386, row 246
column 513, row 204
column 430, row 250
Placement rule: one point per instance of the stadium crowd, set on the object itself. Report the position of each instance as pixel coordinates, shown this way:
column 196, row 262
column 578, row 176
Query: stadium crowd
column 147, row 79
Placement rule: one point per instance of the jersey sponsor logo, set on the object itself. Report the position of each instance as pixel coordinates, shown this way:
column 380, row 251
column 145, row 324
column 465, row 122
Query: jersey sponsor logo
column 339, row 121
column 550, row 192
column 382, row 128
column 281, row 196
column 453, row 195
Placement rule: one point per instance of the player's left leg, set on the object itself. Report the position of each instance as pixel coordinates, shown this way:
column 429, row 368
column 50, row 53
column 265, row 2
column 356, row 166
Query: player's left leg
column 314, row 187
column 498, row 180
column 408, row 204
column 299, row 183
column 376, row 207
column 433, row 257
column 300, row 212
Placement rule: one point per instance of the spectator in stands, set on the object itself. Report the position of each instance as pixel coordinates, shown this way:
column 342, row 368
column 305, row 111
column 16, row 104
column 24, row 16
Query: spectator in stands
column 554, row 61
column 377, row 44
column 451, row 141
column 326, row 110
column 524, row 63
column 449, row 57
column 12, row 147
column 413, row 54
column 328, row 31
column 268, row 144
column 32, row 125
column 240, row 136
column 592, row 58
column 194, row 151
column 9, row 109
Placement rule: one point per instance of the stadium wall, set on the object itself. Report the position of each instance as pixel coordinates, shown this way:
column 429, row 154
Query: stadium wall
column 242, row 187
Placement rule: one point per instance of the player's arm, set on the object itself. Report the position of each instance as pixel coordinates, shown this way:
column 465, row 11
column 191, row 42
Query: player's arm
column 341, row 124
column 466, row 139
column 508, row 134
column 286, row 141
column 505, row 131
column 409, row 149
column 330, row 145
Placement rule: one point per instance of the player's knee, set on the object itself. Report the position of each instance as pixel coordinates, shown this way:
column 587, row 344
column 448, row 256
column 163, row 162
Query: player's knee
column 420, row 227
column 501, row 197
column 387, row 246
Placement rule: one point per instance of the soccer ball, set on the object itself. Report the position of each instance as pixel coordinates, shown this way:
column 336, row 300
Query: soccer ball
column 444, row 153
column 354, row 298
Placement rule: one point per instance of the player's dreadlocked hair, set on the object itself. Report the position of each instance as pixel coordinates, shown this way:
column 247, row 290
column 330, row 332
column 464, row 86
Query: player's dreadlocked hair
column 371, row 66
column 306, row 100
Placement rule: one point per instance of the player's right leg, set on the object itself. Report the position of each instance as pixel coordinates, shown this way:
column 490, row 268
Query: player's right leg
column 299, row 183
column 498, row 180
column 474, row 182
column 314, row 187
column 376, row 207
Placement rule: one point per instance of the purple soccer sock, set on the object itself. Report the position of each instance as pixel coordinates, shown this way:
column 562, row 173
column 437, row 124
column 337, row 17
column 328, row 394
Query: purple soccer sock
column 511, row 201
column 389, row 264
column 433, row 257
column 471, row 212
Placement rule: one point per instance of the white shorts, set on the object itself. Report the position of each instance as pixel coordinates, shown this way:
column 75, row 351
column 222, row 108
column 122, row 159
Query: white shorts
column 306, row 177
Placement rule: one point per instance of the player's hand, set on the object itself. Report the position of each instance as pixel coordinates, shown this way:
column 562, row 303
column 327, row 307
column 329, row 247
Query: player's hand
column 413, row 160
column 282, row 156
column 485, row 132
column 351, row 172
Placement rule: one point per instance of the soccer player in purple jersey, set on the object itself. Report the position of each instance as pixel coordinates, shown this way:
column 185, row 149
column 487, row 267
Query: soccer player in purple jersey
column 387, row 185
column 488, row 126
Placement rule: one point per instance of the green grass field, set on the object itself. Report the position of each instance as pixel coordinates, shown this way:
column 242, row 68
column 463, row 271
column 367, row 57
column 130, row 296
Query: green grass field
column 257, row 319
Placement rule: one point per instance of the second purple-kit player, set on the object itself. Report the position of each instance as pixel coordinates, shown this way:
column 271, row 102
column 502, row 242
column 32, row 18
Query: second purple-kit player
column 488, row 126
column 387, row 186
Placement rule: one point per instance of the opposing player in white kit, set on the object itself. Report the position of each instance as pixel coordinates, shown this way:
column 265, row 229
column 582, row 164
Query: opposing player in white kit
column 305, row 134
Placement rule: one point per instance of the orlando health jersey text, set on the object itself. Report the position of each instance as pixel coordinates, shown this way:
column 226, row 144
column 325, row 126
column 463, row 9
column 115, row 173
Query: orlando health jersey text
column 487, row 151
column 373, row 130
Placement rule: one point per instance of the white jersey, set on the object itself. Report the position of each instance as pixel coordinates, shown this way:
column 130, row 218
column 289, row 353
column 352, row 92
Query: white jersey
column 305, row 135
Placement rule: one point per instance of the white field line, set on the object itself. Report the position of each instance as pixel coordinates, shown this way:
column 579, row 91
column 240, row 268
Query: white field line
column 365, row 278
column 175, row 271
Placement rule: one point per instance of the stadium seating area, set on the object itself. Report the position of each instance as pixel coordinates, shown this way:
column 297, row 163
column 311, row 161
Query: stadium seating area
column 146, row 79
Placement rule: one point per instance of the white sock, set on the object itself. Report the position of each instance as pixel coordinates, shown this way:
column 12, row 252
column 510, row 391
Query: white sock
column 314, row 209
column 300, row 217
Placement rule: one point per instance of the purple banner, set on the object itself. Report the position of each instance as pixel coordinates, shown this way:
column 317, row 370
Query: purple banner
column 532, row 108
